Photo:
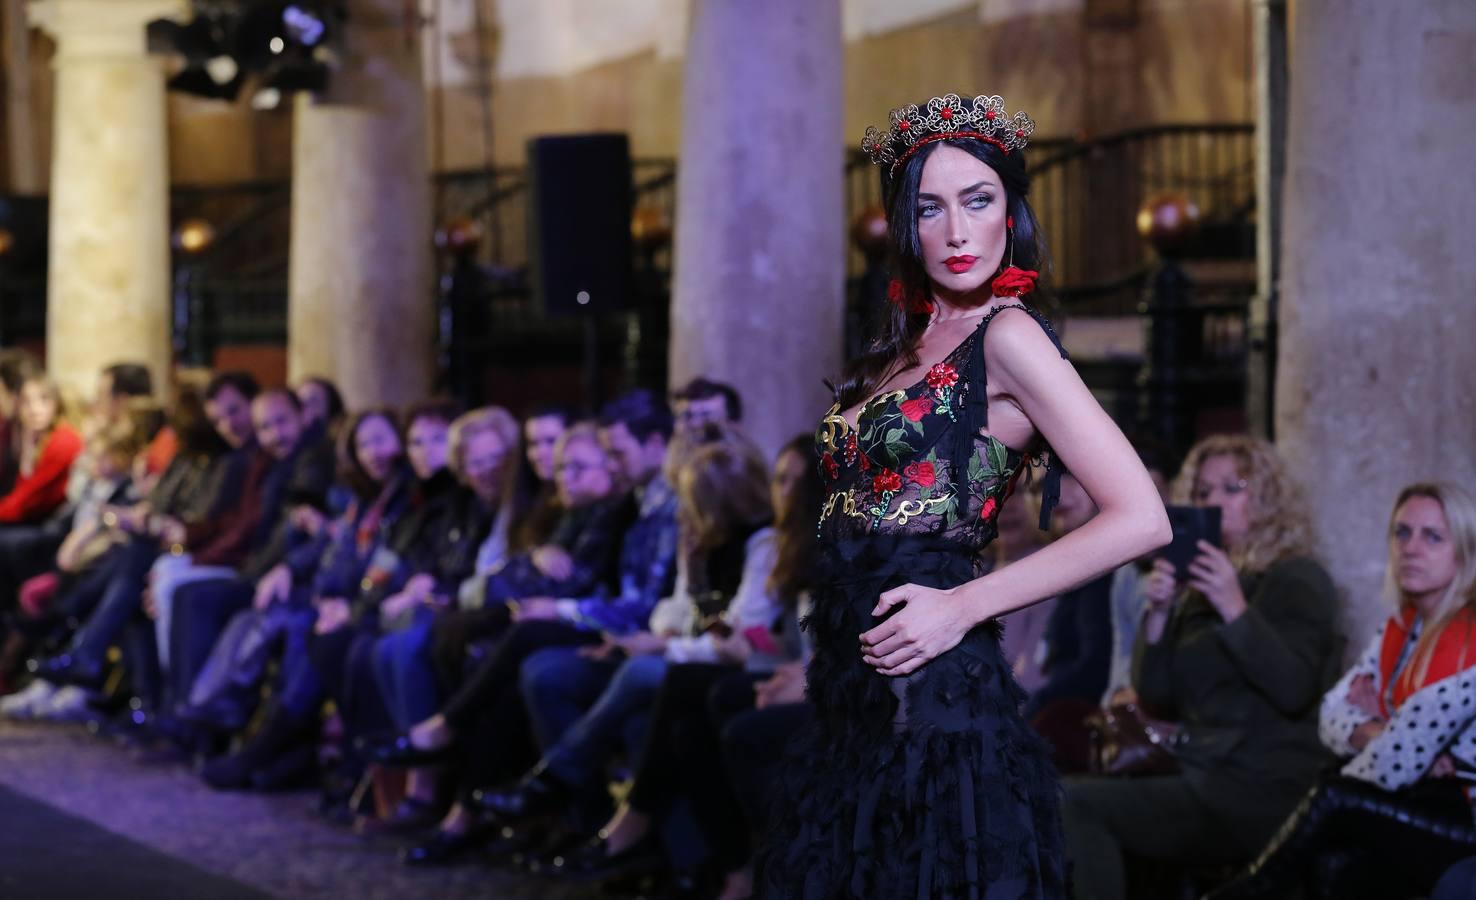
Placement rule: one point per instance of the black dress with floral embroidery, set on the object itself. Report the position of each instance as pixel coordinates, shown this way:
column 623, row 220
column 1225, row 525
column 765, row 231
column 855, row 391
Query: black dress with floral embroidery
column 928, row 785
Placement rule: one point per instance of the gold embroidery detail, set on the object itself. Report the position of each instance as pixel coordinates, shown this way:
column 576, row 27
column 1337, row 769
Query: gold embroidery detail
column 846, row 500
column 831, row 427
column 908, row 509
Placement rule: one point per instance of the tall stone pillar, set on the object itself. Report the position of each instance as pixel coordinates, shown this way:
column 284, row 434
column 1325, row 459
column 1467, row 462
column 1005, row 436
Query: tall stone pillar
column 108, row 285
column 1375, row 387
column 361, row 291
column 760, row 223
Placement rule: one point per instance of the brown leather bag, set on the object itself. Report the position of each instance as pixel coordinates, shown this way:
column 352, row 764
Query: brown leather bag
column 1127, row 741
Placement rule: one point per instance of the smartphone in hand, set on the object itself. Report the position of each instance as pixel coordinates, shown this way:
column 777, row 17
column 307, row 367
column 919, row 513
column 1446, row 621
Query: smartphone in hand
column 1190, row 524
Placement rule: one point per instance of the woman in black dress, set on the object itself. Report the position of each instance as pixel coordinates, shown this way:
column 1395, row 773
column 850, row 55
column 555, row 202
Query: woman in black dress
column 919, row 779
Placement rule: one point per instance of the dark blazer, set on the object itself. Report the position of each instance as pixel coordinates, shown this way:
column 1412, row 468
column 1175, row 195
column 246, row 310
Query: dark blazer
column 1078, row 642
column 1247, row 692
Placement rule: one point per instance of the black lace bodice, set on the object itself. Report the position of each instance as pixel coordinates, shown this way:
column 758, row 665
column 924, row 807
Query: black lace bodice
column 895, row 472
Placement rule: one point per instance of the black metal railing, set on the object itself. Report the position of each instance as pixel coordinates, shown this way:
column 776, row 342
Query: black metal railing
column 1086, row 194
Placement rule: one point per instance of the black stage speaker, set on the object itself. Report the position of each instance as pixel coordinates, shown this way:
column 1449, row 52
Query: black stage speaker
column 579, row 208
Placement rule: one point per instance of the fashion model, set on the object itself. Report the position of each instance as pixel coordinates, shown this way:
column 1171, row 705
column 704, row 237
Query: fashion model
column 919, row 779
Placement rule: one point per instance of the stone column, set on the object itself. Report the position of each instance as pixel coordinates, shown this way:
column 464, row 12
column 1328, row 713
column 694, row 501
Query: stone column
column 361, row 291
column 108, row 285
column 1375, row 387
column 760, row 223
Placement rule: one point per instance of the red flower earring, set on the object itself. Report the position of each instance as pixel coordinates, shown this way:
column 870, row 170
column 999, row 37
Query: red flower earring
column 1011, row 281
column 916, row 302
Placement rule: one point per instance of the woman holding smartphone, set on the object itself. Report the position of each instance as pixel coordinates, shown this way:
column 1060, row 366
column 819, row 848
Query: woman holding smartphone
column 1238, row 651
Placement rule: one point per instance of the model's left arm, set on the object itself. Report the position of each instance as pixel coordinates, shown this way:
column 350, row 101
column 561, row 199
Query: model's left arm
column 1025, row 366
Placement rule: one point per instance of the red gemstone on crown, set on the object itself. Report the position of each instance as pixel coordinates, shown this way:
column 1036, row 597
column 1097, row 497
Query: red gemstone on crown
column 904, row 125
column 1019, row 134
column 989, row 115
column 946, row 113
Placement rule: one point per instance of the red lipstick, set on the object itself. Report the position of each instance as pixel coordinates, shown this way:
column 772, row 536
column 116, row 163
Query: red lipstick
column 960, row 264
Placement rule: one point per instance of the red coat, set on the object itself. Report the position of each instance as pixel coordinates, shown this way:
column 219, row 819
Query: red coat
column 37, row 495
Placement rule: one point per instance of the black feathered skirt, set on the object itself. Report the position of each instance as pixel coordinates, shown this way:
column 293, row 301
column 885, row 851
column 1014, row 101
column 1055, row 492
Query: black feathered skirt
column 928, row 786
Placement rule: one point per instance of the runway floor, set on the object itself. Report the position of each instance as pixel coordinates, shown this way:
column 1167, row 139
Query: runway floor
column 79, row 818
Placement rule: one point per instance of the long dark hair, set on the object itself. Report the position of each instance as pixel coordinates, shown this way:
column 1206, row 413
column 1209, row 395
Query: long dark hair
column 794, row 526
column 351, row 470
column 901, row 330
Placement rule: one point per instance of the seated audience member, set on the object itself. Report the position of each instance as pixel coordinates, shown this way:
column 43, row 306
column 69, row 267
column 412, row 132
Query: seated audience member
column 1403, row 721
column 15, row 367
column 301, row 607
column 45, row 447
column 541, row 432
column 89, row 538
column 1024, row 630
column 718, row 636
column 193, row 594
column 701, row 402
column 1128, row 601
column 210, row 548
column 719, row 618
column 483, row 716
column 1238, row 651
column 1075, row 649
column 27, row 549
column 198, row 489
column 346, row 663
column 322, row 405
column 635, row 428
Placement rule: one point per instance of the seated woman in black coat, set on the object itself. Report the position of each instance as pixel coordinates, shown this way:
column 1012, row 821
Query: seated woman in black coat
column 1238, row 653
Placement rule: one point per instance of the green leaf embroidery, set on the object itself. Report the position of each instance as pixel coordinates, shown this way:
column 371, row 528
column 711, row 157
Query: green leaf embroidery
column 894, row 435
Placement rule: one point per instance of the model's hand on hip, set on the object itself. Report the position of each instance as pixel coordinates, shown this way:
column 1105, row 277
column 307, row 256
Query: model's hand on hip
column 930, row 624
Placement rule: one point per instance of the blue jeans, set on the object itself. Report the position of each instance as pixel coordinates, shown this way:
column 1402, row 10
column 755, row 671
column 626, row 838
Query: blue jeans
column 580, row 756
column 240, row 656
column 1458, row 882
column 405, row 674
column 558, row 687
column 121, row 600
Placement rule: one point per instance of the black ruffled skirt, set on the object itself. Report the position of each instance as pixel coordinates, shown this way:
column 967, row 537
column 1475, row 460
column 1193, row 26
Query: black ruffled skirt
column 929, row 786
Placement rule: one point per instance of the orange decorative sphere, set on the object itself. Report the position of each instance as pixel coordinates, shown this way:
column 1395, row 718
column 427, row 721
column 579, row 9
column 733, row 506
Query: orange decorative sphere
column 194, row 236
column 869, row 231
column 1168, row 220
column 459, row 235
column 7, row 241
column 650, row 227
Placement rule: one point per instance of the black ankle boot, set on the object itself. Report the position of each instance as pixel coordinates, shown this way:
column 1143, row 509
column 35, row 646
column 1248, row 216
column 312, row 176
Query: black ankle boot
column 279, row 733
column 539, row 793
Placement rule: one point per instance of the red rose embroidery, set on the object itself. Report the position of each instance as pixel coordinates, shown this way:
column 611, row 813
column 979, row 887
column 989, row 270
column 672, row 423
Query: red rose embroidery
column 1013, row 282
column 886, row 480
column 913, row 410
column 921, row 474
column 865, row 463
column 986, row 512
column 832, row 468
column 942, row 376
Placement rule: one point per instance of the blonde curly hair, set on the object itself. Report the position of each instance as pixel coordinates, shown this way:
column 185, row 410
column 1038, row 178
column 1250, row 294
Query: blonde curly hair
column 1279, row 525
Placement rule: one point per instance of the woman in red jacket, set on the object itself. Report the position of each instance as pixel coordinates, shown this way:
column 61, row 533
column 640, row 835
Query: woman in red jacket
column 45, row 449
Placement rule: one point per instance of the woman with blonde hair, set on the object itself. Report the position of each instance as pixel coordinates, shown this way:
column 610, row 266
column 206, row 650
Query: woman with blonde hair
column 1403, row 720
column 1237, row 649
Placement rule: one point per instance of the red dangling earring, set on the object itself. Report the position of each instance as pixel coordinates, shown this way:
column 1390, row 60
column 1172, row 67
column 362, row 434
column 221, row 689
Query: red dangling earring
column 916, row 302
column 1013, row 282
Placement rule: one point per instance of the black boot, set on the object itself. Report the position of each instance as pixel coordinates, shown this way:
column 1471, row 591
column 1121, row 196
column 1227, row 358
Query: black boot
column 279, row 732
column 538, row 794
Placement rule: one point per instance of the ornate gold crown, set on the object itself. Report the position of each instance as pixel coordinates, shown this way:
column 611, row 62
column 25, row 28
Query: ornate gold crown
column 948, row 116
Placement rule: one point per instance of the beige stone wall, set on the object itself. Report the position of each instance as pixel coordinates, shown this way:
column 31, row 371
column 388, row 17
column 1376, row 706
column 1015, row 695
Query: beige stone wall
column 1180, row 61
